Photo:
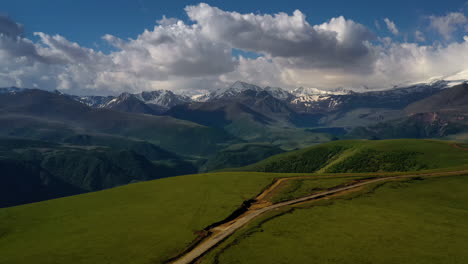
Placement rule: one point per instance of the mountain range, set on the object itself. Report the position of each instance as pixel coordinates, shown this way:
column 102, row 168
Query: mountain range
column 78, row 144
column 248, row 111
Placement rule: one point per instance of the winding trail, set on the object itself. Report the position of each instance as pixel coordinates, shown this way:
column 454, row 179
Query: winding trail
column 218, row 233
column 455, row 145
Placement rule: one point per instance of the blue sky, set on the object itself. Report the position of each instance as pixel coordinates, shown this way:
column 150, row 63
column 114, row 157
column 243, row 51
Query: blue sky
column 108, row 47
column 86, row 21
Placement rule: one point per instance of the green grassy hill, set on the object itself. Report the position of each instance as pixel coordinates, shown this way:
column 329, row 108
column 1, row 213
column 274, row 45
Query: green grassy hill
column 146, row 222
column 409, row 222
column 150, row 222
column 365, row 156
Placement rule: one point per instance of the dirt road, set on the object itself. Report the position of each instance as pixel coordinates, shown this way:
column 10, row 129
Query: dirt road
column 221, row 232
column 459, row 147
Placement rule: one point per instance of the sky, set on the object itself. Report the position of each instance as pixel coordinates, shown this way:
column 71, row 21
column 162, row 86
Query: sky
column 108, row 47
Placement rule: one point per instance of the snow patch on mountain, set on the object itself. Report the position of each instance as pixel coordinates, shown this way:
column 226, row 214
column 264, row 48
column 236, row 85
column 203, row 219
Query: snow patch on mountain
column 308, row 95
column 94, row 101
column 164, row 98
column 238, row 88
column 11, row 90
column 302, row 91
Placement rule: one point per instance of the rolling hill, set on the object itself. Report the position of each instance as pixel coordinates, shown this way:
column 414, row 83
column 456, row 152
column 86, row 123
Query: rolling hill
column 240, row 155
column 146, row 222
column 365, row 156
column 151, row 222
column 422, row 220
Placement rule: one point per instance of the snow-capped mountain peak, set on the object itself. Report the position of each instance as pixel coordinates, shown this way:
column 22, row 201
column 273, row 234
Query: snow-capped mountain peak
column 239, row 87
column 233, row 90
column 302, row 91
column 309, row 95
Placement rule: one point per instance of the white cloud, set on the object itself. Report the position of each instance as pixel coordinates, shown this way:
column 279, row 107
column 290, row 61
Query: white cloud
column 155, row 59
column 419, row 36
column 391, row 26
column 339, row 43
column 172, row 49
column 448, row 24
column 175, row 55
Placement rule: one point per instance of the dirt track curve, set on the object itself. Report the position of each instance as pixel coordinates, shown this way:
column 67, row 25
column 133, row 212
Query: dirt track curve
column 455, row 145
column 218, row 233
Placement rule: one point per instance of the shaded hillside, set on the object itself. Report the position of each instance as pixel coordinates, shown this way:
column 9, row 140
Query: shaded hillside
column 36, row 170
column 451, row 99
column 26, row 182
column 99, row 169
column 421, row 125
column 240, row 155
column 130, row 104
column 146, row 149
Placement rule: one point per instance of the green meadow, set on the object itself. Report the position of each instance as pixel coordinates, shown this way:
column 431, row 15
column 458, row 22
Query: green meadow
column 145, row 222
column 356, row 156
column 151, row 222
column 406, row 222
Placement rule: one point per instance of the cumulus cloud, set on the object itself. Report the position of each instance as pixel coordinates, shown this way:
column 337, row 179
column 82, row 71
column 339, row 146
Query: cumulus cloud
column 198, row 55
column 172, row 49
column 337, row 43
column 13, row 45
column 391, row 26
column 447, row 25
column 397, row 64
column 9, row 28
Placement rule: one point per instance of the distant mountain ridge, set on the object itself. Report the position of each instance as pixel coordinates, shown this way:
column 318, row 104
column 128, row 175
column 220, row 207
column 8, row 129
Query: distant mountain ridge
column 250, row 112
column 303, row 99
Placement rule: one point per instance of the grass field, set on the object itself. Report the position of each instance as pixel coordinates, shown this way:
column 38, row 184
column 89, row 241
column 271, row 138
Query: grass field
column 146, row 222
column 416, row 221
column 366, row 156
